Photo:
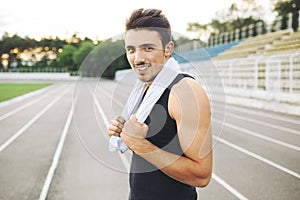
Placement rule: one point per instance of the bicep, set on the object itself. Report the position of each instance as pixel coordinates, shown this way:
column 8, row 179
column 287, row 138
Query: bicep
column 189, row 106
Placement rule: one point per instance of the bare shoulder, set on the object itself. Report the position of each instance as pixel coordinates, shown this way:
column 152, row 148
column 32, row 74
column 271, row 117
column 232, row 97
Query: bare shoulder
column 187, row 94
column 188, row 86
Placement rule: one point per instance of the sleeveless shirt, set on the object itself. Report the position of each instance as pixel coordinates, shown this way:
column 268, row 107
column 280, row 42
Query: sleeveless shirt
column 147, row 182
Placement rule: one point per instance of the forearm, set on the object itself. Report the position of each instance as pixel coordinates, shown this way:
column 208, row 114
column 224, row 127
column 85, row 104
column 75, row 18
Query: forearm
column 181, row 168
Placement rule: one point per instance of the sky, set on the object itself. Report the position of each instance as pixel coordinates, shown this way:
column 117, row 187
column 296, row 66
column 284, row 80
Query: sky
column 98, row 19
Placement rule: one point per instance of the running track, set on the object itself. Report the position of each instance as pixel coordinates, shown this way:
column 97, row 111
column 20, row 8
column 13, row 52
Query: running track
column 53, row 146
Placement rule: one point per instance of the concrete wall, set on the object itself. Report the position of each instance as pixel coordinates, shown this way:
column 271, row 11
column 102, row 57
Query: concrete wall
column 36, row 76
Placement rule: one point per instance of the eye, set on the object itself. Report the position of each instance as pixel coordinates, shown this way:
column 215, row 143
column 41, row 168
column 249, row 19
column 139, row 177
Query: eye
column 148, row 48
column 130, row 49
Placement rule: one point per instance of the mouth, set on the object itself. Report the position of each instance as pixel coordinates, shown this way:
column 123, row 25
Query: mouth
column 142, row 67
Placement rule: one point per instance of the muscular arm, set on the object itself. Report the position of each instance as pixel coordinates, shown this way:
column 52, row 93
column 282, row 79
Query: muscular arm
column 189, row 106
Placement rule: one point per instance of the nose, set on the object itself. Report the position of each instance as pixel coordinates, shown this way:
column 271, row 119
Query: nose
column 139, row 56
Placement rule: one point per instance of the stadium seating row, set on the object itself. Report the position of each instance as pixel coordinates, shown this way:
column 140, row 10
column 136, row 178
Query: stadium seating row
column 254, row 46
column 264, row 68
column 266, row 62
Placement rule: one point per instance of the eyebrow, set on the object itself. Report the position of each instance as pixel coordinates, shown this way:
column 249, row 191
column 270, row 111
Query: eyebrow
column 142, row 45
column 147, row 44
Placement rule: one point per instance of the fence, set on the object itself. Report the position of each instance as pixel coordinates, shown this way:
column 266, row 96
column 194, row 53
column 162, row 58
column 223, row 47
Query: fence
column 291, row 21
column 273, row 77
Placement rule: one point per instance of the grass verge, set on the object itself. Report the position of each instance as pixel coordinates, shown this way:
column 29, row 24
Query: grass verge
column 11, row 90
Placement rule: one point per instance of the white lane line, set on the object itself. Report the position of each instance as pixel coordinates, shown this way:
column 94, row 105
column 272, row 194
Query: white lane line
column 258, row 157
column 32, row 121
column 25, row 96
column 290, row 146
column 10, row 113
column 106, row 122
column 228, row 187
column 292, row 131
column 262, row 114
column 57, row 155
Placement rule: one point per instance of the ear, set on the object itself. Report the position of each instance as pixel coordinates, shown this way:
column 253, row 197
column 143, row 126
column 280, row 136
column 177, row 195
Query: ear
column 169, row 49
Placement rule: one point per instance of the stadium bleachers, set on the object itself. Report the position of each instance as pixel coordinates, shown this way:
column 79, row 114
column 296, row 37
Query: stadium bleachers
column 264, row 69
column 286, row 45
column 272, row 56
column 201, row 54
column 216, row 50
column 254, row 45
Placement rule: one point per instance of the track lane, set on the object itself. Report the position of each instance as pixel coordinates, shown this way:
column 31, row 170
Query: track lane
column 86, row 170
column 24, row 163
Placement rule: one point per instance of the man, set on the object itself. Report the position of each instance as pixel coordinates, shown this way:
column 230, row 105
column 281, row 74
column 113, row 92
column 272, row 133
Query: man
column 172, row 148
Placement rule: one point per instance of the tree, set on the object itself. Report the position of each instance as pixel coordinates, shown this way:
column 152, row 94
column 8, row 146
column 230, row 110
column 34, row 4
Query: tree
column 84, row 49
column 13, row 46
column 47, row 49
column 283, row 8
column 105, row 59
column 202, row 30
column 238, row 15
column 57, row 44
column 65, row 58
column 74, row 40
column 181, row 40
column 119, row 63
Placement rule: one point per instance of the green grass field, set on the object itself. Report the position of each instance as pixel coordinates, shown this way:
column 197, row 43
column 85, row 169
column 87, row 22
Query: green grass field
column 11, row 90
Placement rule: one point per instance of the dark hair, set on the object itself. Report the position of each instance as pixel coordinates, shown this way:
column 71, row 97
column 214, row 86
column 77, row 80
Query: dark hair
column 151, row 19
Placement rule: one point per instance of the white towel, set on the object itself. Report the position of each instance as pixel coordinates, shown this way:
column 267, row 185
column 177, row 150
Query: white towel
column 142, row 109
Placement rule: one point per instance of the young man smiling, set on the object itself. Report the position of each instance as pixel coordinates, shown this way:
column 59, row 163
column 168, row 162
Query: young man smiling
column 172, row 148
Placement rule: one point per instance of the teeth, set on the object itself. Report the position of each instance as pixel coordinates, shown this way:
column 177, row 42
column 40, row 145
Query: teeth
column 142, row 67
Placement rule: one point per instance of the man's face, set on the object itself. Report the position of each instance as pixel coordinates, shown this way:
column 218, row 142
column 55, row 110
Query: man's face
column 145, row 53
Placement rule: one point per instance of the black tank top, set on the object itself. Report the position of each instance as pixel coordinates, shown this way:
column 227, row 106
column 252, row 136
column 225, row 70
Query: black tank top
column 146, row 181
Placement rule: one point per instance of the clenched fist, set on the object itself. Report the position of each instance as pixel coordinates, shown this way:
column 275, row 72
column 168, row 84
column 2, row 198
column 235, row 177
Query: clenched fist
column 134, row 134
column 134, row 128
column 116, row 125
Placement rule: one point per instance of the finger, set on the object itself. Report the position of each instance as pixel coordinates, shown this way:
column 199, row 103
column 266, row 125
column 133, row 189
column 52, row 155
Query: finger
column 134, row 119
column 120, row 119
column 116, row 123
column 113, row 133
column 130, row 126
column 114, row 128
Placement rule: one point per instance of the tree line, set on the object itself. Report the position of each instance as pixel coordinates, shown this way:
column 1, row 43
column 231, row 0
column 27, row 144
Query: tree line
column 103, row 58
column 245, row 13
column 63, row 55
